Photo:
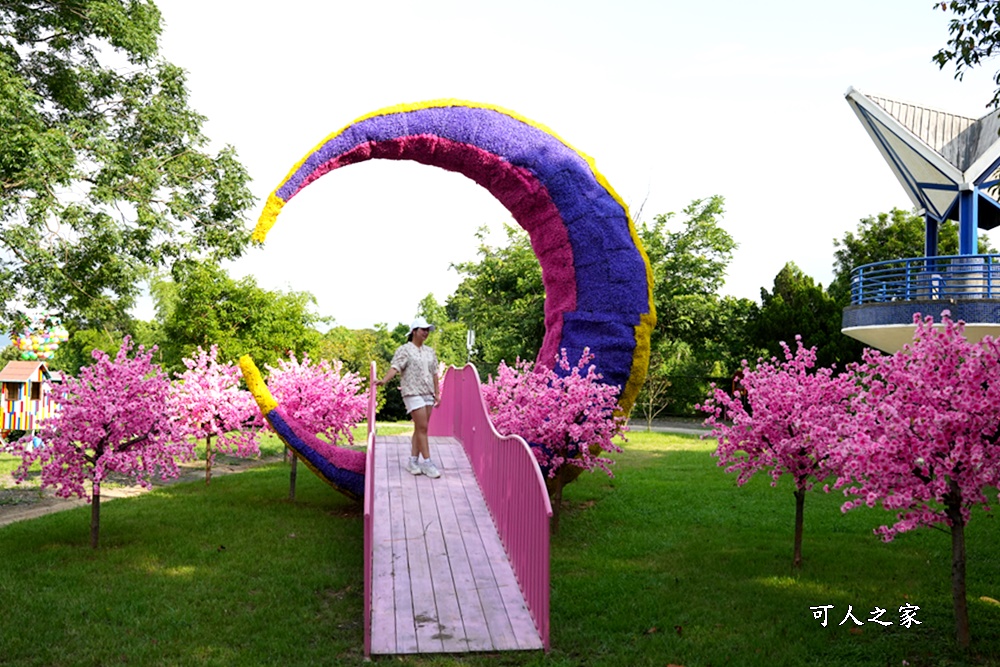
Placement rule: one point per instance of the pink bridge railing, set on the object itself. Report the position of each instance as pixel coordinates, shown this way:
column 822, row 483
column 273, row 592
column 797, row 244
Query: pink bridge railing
column 511, row 482
column 369, row 498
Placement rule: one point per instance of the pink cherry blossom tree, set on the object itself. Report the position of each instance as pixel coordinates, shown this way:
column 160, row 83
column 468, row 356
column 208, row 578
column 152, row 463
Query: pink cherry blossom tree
column 208, row 403
column 113, row 418
column 569, row 419
column 790, row 424
column 323, row 397
column 927, row 441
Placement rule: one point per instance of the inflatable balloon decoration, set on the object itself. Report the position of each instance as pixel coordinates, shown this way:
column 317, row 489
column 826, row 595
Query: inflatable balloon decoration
column 597, row 277
column 39, row 340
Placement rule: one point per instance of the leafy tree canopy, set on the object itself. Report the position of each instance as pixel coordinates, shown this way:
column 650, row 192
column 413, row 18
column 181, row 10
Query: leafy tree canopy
column 797, row 305
column 357, row 348
column 502, row 299
column 448, row 338
column 975, row 37
column 713, row 327
column 104, row 172
column 693, row 259
column 241, row 318
column 689, row 267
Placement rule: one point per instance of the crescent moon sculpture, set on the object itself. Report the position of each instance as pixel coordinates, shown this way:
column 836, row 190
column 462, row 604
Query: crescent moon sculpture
column 597, row 277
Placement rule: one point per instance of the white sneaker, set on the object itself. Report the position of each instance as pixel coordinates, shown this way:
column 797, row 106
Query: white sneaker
column 413, row 467
column 429, row 469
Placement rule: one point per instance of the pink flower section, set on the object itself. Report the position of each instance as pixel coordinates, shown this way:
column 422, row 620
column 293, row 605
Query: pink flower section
column 209, row 403
column 567, row 420
column 115, row 417
column 792, row 422
column 346, row 459
column 321, row 399
column 926, row 429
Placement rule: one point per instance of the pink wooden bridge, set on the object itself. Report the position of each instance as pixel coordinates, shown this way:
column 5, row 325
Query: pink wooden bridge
column 459, row 563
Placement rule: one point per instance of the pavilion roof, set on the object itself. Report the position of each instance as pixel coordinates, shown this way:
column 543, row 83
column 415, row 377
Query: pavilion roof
column 935, row 154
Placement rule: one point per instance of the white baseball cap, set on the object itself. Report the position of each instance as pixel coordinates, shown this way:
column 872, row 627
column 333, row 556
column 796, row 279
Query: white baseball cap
column 421, row 323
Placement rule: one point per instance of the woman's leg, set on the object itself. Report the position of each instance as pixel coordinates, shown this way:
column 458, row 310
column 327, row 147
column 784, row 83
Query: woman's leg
column 419, row 445
column 414, row 443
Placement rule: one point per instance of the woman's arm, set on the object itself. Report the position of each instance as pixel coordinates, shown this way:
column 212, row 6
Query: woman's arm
column 391, row 374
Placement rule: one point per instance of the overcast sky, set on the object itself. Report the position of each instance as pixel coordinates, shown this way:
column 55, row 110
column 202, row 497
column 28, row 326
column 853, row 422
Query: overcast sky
column 674, row 100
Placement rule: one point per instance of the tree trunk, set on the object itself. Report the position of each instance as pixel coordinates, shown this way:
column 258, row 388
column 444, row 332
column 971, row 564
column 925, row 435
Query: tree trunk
column 95, row 516
column 649, row 415
column 292, row 474
column 556, row 500
column 800, row 501
column 953, row 509
column 208, row 459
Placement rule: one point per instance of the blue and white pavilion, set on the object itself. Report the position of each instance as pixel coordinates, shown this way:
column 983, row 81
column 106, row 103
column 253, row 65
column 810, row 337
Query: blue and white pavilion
column 949, row 165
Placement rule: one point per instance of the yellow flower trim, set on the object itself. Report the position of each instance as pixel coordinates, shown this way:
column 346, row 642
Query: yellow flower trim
column 640, row 361
column 255, row 383
column 268, row 217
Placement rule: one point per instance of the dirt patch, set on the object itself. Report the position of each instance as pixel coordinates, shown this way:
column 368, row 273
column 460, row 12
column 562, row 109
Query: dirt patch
column 20, row 502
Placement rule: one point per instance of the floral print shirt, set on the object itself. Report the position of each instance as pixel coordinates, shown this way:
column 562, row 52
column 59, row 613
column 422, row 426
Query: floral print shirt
column 417, row 366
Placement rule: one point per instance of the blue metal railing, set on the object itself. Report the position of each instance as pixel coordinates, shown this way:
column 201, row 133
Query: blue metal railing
column 922, row 278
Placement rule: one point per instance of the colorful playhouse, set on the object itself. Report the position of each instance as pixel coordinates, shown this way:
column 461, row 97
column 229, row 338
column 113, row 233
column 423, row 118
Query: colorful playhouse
column 25, row 395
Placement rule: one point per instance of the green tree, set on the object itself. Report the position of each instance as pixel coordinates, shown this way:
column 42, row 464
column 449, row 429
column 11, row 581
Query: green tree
column 502, row 299
column 705, row 343
column 8, row 353
column 700, row 336
column 797, row 305
column 693, row 259
column 714, row 327
column 656, row 397
column 103, row 168
column 356, row 348
column 448, row 338
column 975, row 37
column 689, row 267
column 241, row 318
column 897, row 234
column 77, row 351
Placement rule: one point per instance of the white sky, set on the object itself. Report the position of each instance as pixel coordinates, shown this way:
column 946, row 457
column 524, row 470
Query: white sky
column 675, row 100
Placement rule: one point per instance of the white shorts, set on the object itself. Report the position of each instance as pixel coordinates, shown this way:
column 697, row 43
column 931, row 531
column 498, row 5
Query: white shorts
column 415, row 402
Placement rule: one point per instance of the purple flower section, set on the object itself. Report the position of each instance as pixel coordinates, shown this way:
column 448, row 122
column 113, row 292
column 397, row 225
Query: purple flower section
column 343, row 469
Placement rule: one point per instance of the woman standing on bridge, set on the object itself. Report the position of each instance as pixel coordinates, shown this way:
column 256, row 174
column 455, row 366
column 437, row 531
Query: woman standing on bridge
column 417, row 364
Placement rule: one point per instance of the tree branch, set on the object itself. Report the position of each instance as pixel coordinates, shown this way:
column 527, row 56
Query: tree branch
column 132, row 443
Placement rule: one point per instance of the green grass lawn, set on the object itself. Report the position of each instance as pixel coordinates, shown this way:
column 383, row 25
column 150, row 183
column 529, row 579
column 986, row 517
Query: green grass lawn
column 667, row 563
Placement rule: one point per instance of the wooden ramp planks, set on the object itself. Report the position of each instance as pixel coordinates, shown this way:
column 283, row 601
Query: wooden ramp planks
column 441, row 582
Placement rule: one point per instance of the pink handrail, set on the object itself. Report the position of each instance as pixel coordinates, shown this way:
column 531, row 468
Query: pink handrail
column 511, row 482
column 369, row 499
